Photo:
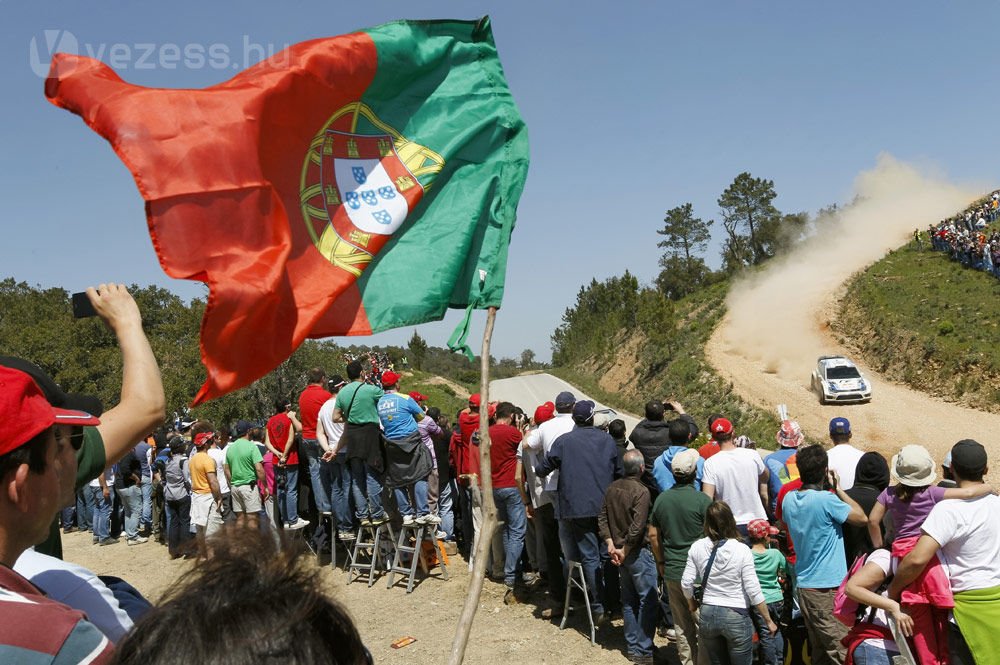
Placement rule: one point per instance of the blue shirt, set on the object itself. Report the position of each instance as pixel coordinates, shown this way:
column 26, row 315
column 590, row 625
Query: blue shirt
column 588, row 459
column 140, row 452
column 397, row 413
column 664, row 475
column 814, row 521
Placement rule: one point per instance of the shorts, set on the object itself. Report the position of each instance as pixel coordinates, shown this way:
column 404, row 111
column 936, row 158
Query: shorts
column 246, row 499
column 204, row 513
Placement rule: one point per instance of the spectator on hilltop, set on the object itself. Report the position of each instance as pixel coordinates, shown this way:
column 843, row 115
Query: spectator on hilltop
column 356, row 408
column 280, row 441
column 651, row 437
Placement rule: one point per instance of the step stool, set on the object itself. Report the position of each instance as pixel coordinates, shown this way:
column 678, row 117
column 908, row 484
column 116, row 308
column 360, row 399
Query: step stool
column 418, row 533
column 577, row 579
column 366, row 553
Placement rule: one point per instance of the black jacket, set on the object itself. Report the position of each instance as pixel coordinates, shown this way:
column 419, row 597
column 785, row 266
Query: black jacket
column 651, row 438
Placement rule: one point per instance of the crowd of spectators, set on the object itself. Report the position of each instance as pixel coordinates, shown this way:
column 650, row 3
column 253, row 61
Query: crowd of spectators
column 968, row 239
column 696, row 539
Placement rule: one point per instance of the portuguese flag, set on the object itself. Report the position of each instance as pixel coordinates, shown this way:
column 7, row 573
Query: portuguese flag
column 342, row 187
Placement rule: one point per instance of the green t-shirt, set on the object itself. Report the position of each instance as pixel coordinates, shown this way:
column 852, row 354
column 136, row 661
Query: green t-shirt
column 679, row 516
column 364, row 407
column 767, row 564
column 90, row 462
column 242, row 456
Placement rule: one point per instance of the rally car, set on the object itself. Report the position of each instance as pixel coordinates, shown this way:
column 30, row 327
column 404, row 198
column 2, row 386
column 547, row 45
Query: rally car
column 837, row 379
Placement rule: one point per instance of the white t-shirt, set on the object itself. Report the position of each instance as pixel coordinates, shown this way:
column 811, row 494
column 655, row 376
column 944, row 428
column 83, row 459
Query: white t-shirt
column 332, row 430
column 736, row 476
column 539, row 443
column 882, row 559
column 969, row 535
column 220, row 461
column 844, row 460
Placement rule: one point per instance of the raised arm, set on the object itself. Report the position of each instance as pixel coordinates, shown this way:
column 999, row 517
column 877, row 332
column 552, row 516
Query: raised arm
column 142, row 404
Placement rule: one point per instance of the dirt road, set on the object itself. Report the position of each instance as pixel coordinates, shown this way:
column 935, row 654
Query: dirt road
column 530, row 390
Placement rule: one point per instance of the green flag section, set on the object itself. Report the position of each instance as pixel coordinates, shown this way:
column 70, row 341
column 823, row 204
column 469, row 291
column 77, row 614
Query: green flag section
column 342, row 187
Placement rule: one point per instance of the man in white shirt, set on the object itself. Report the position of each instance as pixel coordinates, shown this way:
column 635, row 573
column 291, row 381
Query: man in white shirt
column 965, row 536
column 737, row 476
column 542, row 490
column 843, row 456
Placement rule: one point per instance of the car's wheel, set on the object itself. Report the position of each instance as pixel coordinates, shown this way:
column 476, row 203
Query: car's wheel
column 822, row 398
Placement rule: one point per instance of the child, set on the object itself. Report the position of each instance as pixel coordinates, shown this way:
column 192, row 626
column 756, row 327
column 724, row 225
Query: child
column 770, row 565
column 928, row 599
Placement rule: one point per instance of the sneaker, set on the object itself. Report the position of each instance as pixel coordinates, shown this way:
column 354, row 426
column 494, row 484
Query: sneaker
column 511, row 597
column 440, row 535
column 553, row 612
column 298, row 524
column 671, row 634
column 408, row 520
column 326, row 513
column 423, row 520
column 69, row 529
column 136, row 541
column 381, row 519
column 640, row 660
column 346, row 535
column 432, row 519
column 600, row 619
column 108, row 541
column 95, row 539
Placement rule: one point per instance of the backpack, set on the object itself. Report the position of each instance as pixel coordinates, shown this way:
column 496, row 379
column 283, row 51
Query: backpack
column 844, row 608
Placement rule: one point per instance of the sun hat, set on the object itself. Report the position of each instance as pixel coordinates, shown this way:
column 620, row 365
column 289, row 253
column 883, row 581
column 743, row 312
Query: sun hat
column 913, row 466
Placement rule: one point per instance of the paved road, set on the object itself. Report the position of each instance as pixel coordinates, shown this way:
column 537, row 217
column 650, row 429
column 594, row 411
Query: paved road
column 531, row 390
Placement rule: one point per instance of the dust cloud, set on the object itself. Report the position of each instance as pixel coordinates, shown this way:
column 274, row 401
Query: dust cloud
column 777, row 316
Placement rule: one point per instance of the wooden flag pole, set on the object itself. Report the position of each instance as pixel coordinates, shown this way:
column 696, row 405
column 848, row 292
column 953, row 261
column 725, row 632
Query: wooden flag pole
column 489, row 522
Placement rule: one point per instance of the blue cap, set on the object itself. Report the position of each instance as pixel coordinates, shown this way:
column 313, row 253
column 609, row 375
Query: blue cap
column 565, row 398
column 840, row 426
column 583, row 410
column 242, row 427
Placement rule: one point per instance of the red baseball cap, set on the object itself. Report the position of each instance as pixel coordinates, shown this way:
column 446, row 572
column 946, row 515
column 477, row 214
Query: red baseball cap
column 202, row 438
column 475, row 399
column 25, row 413
column 721, row 426
column 390, row 378
column 417, row 397
column 760, row 528
column 544, row 412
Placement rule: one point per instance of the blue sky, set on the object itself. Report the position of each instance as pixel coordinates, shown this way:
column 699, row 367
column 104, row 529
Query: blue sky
column 632, row 108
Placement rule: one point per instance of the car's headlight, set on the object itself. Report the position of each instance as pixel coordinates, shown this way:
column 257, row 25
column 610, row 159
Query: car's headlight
column 832, row 386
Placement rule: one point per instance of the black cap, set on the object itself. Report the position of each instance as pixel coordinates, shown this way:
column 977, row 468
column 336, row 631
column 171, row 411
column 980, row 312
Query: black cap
column 56, row 396
column 968, row 454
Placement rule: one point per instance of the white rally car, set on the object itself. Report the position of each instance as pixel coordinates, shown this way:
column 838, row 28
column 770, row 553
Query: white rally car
column 837, row 379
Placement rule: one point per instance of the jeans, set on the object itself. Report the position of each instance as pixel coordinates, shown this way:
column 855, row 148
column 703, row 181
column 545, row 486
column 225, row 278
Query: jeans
column 131, row 498
column 84, row 509
column 146, row 490
column 446, row 512
column 772, row 647
column 419, row 490
column 640, row 606
column 68, row 517
column 288, row 493
column 366, row 488
column 178, row 523
column 510, row 510
column 102, row 513
column 339, row 479
column 319, row 481
column 582, row 544
column 726, row 634
column 868, row 655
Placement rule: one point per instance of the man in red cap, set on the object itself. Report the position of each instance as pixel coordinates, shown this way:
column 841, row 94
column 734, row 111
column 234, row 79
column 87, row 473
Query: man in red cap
column 408, row 462
column 37, row 469
column 737, row 476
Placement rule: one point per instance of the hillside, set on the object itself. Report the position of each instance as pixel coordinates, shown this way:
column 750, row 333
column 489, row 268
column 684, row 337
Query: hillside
column 921, row 319
column 634, row 369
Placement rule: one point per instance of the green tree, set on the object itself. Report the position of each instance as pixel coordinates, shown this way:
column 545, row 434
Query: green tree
column 684, row 238
column 527, row 359
column 680, row 277
column 748, row 212
column 418, row 350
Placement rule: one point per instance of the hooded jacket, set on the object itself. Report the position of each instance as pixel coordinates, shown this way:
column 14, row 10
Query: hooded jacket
column 870, row 478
